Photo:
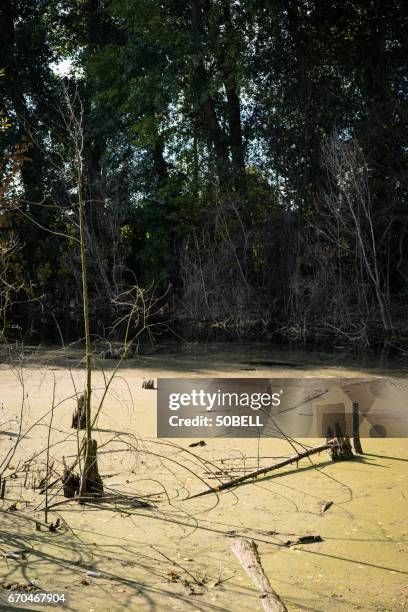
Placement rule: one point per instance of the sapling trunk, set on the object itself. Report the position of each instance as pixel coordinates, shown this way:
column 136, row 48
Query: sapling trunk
column 91, row 481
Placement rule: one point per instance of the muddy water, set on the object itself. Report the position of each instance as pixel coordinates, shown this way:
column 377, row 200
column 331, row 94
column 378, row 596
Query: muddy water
column 360, row 564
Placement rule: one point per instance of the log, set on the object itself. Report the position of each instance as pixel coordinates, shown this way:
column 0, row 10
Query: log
column 329, row 445
column 356, row 429
column 247, row 554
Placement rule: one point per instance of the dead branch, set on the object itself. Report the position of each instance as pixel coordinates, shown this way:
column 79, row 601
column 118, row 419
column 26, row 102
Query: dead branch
column 330, row 444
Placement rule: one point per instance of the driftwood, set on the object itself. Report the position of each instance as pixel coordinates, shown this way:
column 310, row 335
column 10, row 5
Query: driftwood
column 248, row 556
column 356, row 429
column 329, row 445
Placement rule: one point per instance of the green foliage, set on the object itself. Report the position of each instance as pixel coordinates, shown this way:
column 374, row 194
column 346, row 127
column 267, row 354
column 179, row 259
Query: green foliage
column 194, row 109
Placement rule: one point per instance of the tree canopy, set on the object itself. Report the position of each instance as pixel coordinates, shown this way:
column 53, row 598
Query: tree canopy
column 246, row 158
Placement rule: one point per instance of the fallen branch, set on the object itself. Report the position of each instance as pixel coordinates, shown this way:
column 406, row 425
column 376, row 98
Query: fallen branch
column 247, row 554
column 330, row 444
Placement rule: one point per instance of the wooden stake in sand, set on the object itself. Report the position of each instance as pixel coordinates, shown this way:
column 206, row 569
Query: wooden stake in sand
column 248, row 556
column 329, row 445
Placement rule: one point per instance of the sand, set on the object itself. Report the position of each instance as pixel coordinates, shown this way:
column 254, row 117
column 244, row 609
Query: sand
column 175, row 554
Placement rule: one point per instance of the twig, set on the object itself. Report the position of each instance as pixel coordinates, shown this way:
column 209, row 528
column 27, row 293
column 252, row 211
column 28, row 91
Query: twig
column 178, row 565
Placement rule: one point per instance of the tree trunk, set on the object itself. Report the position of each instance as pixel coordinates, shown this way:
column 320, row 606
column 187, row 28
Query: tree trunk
column 235, row 136
column 32, row 165
column 212, row 127
column 91, row 481
column 228, row 60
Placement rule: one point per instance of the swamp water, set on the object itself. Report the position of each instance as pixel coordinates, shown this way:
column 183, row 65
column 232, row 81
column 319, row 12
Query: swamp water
column 174, row 554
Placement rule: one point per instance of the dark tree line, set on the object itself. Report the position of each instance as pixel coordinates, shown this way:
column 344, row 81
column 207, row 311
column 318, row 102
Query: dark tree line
column 245, row 158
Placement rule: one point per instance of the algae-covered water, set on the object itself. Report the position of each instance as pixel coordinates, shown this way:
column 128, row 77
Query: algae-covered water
column 147, row 555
